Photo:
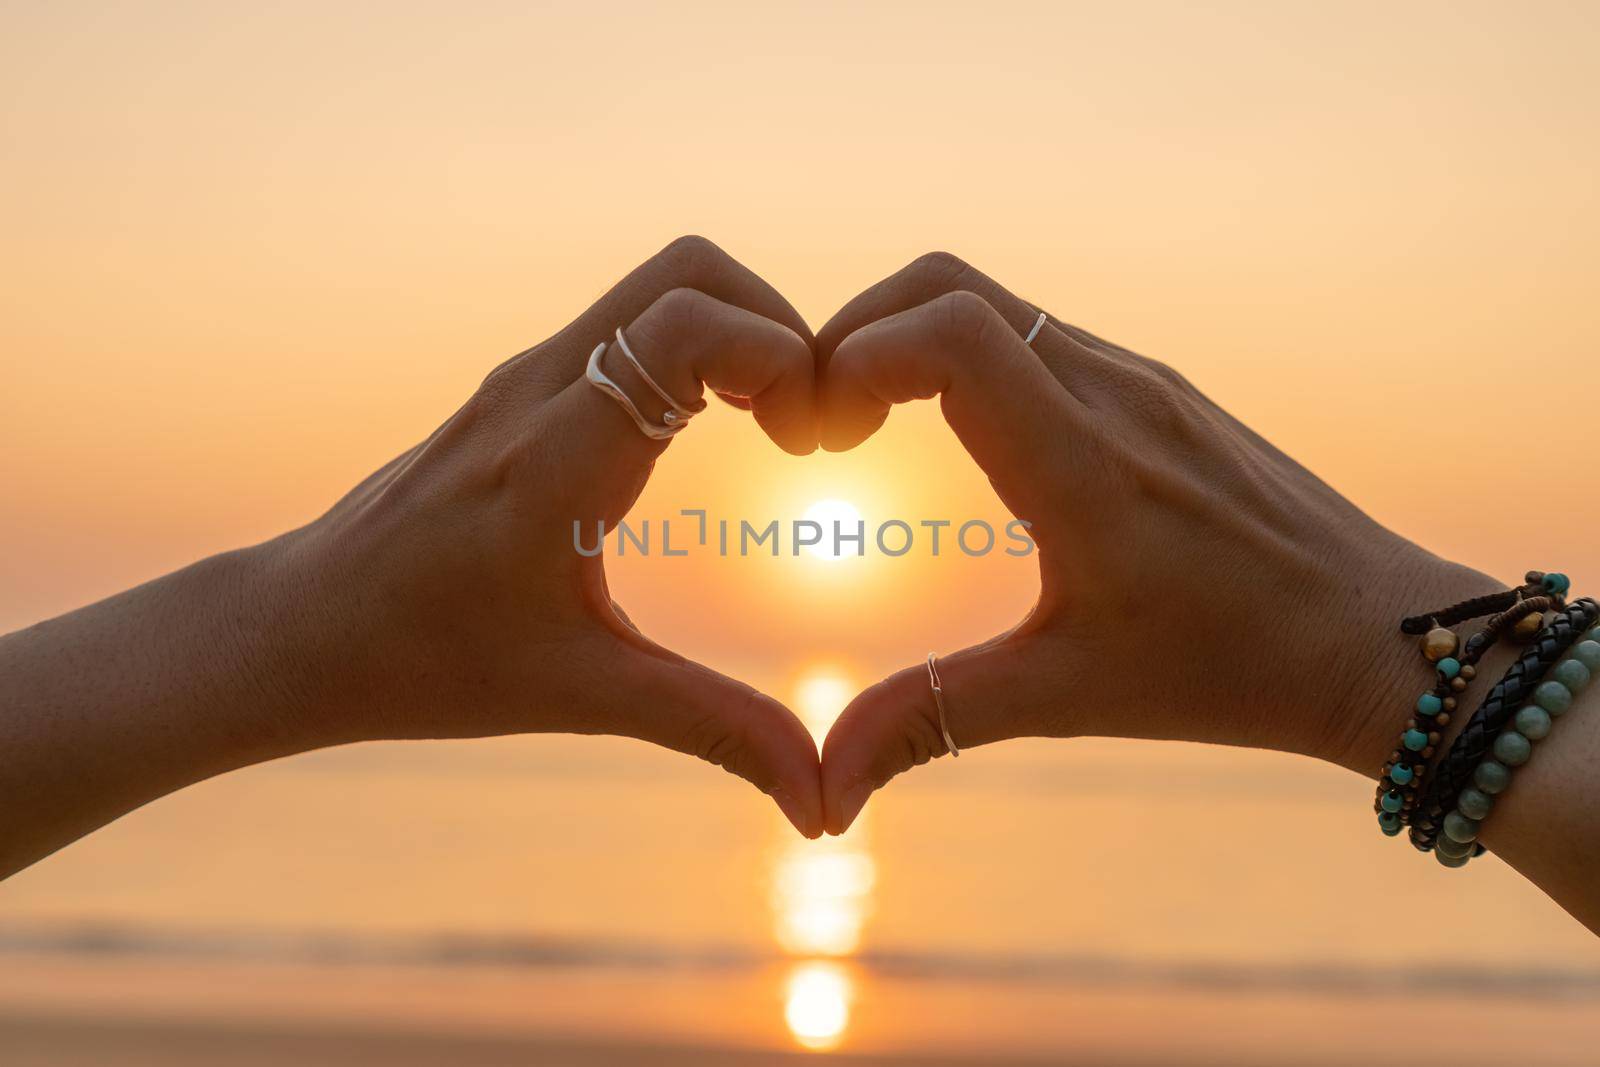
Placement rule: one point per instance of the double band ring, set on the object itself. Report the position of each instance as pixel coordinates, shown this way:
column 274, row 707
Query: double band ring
column 677, row 415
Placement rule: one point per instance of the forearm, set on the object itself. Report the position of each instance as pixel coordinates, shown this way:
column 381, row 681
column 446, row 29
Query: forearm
column 113, row 705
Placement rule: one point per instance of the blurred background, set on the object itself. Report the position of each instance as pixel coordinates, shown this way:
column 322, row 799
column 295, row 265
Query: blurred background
column 251, row 252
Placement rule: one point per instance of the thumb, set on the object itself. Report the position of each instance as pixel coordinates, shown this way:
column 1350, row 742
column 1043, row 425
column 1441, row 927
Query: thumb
column 991, row 692
column 679, row 704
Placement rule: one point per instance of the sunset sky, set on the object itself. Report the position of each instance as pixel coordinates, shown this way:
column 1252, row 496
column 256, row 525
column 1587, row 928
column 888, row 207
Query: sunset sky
column 252, row 252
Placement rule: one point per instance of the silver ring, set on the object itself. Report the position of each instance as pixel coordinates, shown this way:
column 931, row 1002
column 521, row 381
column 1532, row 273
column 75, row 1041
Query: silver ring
column 1038, row 324
column 598, row 379
column 938, row 701
column 677, row 414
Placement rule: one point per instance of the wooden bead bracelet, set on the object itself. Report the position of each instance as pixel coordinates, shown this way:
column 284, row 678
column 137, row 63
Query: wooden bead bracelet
column 1483, row 731
column 1518, row 611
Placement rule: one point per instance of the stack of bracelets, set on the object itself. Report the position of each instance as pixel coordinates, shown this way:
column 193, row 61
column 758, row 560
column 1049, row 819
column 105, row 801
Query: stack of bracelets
column 1446, row 806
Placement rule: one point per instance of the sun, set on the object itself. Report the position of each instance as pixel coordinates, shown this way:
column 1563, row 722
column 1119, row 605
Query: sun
column 819, row 696
column 827, row 512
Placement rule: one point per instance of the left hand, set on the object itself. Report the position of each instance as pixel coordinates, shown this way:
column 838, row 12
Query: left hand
column 445, row 597
column 1195, row 582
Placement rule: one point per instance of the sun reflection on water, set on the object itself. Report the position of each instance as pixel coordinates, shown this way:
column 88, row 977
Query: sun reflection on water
column 817, row 1007
column 821, row 896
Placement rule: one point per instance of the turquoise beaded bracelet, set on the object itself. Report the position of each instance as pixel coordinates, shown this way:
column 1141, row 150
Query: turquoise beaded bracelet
column 1513, row 747
column 1518, row 611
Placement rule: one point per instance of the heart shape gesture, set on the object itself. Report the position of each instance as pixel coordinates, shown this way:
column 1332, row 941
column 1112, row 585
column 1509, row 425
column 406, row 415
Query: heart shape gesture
column 1195, row 582
column 442, row 597
column 462, row 548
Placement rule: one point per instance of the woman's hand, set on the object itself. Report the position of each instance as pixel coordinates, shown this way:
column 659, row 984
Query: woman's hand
column 1195, row 582
column 443, row 597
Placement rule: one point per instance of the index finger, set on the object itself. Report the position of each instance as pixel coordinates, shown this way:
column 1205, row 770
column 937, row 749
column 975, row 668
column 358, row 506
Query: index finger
column 688, row 337
column 682, row 340
column 686, row 263
column 925, row 278
column 938, row 274
column 1025, row 429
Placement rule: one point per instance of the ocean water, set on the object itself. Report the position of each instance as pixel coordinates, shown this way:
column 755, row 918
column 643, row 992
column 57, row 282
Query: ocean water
column 1094, row 898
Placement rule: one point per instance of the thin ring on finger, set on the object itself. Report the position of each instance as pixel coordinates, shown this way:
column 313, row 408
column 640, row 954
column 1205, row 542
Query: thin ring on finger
column 938, row 701
column 1038, row 324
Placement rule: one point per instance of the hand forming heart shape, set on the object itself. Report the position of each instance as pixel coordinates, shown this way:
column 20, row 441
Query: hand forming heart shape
column 1195, row 582
column 1167, row 533
column 480, row 618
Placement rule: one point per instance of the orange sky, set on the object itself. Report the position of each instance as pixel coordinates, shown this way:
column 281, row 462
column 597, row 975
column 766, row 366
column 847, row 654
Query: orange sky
column 252, row 254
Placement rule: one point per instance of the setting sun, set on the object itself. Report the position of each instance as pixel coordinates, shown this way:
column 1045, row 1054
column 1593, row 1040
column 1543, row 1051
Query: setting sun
column 819, row 697
column 827, row 513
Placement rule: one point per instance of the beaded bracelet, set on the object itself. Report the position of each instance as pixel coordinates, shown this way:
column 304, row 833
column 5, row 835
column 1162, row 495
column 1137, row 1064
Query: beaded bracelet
column 1519, row 611
column 1513, row 747
column 1457, row 767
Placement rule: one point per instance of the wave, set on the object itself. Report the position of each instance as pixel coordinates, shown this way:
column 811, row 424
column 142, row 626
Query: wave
column 461, row 950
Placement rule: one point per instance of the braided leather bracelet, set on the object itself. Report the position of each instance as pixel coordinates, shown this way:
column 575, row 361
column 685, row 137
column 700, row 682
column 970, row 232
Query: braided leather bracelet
column 1455, row 770
column 1458, row 842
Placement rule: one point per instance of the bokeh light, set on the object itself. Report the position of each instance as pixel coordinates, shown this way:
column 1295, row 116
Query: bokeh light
column 817, row 1007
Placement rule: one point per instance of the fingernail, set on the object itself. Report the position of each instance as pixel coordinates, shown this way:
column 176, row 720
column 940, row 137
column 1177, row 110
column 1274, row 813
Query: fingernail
column 850, row 805
column 792, row 810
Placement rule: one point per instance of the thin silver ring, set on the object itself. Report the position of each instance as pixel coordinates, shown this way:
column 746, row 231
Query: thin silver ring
column 938, row 701
column 598, row 379
column 1038, row 324
column 679, row 414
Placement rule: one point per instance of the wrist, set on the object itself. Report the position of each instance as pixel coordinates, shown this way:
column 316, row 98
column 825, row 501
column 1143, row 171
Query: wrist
column 1387, row 672
column 272, row 654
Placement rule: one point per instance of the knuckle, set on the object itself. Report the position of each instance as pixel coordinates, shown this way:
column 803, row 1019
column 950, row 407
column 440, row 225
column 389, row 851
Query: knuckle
column 498, row 382
column 1156, row 402
column 678, row 311
column 722, row 741
column 937, row 267
column 705, row 737
column 962, row 318
column 920, row 740
column 914, row 739
column 527, row 377
column 724, row 752
column 492, row 400
column 692, row 257
column 1165, row 374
